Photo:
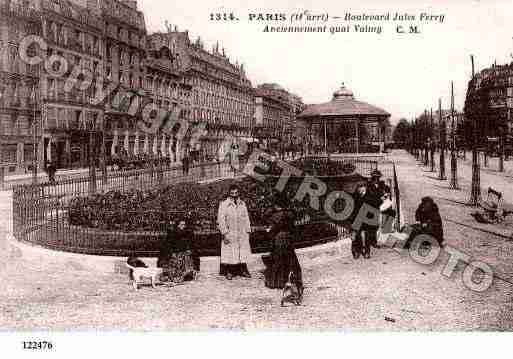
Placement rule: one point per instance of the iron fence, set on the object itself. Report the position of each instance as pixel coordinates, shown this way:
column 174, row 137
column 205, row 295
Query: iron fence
column 40, row 212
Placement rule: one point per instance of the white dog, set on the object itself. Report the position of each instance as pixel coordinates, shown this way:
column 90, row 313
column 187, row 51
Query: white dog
column 139, row 273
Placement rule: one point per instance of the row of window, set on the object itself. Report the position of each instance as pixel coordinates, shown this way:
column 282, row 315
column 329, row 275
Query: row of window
column 14, row 63
column 74, row 38
column 225, row 75
column 165, row 88
column 18, row 94
column 55, row 91
column 72, row 61
column 15, row 125
column 125, row 35
column 221, row 90
column 69, row 118
column 224, row 118
column 213, row 100
column 123, row 56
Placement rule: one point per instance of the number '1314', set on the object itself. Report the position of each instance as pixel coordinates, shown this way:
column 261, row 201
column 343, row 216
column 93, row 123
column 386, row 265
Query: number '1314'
column 223, row 17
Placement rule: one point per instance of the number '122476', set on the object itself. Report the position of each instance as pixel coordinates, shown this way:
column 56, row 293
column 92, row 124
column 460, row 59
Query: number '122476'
column 42, row 345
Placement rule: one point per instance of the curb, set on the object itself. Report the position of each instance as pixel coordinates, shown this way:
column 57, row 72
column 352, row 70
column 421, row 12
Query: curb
column 116, row 265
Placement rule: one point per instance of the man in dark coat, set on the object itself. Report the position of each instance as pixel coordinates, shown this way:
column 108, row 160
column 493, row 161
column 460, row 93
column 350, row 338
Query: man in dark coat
column 186, row 162
column 360, row 244
column 376, row 189
column 51, row 169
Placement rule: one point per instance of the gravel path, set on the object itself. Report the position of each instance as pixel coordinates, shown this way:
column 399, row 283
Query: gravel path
column 389, row 292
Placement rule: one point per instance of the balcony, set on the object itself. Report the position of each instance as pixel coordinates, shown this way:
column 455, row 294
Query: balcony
column 163, row 65
column 16, row 10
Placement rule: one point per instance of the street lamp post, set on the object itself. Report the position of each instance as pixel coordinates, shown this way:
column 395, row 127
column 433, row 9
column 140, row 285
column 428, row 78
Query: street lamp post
column 426, row 143
column 475, row 195
column 441, row 174
column 35, row 145
column 92, row 165
column 2, row 168
column 103, row 160
column 454, row 159
column 432, row 147
column 501, row 141
column 415, row 139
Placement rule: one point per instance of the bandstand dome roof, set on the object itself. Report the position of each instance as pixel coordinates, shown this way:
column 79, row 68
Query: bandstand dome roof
column 343, row 104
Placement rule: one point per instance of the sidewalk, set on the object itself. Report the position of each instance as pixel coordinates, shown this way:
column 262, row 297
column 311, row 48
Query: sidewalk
column 10, row 181
column 490, row 243
column 340, row 294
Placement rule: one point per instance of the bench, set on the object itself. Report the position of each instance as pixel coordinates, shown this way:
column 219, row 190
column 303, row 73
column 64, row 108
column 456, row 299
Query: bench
column 495, row 207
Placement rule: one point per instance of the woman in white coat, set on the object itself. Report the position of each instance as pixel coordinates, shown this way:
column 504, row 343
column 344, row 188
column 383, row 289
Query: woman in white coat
column 233, row 222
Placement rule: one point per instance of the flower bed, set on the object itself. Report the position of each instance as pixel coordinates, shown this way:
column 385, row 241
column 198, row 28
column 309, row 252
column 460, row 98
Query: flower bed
column 152, row 210
column 318, row 167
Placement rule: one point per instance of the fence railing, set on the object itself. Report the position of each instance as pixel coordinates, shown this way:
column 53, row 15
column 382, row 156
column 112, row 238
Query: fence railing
column 40, row 212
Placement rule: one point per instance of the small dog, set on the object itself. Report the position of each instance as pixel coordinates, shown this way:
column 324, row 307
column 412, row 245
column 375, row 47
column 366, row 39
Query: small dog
column 139, row 270
column 292, row 292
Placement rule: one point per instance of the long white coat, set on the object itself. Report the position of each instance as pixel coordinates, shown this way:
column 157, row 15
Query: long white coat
column 233, row 222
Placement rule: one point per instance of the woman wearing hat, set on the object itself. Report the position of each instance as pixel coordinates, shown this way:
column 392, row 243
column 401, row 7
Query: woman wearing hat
column 178, row 258
column 283, row 259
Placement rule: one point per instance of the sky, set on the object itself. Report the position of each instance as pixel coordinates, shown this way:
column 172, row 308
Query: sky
column 401, row 73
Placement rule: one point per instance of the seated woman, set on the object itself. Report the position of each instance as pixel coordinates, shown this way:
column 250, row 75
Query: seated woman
column 177, row 257
column 283, row 259
column 428, row 220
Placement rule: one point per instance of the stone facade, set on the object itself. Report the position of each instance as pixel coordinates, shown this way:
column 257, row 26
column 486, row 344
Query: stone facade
column 221, row 98
column 275, row 115
column 489, row 102
column 19, row 86
column 100, row 72
column 105, row 41
column 74, row 33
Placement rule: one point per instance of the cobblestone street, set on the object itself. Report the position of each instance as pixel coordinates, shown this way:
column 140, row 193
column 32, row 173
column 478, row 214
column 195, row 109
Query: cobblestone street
column 388, row 292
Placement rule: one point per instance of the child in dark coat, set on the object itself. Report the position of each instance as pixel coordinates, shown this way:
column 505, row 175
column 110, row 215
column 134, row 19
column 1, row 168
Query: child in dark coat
column 283, row 259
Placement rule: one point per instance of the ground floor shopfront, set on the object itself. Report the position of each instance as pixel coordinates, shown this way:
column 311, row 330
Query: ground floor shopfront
column 71, row 136
column 72, row 149
column 17, row 154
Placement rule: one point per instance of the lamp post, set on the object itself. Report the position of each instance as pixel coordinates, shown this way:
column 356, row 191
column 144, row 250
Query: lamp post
column 454, row 159
column 502, row 130
column 92, row 165
column 475, row 195
column 432, row 147
column 2, row 168
column 427, row 143
column 103, row 150
column 325, row 138
column 415, row 142
column 35, row 144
